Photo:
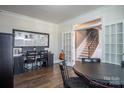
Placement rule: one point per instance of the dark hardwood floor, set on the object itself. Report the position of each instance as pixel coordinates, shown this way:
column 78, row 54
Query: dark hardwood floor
column 49, row 77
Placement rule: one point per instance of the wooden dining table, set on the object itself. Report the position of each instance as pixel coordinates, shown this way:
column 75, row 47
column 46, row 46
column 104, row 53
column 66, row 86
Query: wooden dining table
column 104, row 73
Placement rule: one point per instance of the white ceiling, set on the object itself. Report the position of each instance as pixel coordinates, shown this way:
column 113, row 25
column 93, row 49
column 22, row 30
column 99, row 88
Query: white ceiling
column 50, row 13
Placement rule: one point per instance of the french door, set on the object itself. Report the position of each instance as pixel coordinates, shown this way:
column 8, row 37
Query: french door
column 68, row 45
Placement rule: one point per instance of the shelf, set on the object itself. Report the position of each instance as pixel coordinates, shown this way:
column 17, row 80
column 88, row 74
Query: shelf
column 114, row 53
column 113, row 42
column 107, row 53
column 119, row 43
column 113, row 34
column 119, row 32
column 107, row 44
column 107, row 34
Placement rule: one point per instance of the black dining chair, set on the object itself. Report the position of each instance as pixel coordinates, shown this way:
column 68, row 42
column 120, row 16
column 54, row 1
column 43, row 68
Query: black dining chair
column 30, row 59
column 43, row 58
column 71, row 82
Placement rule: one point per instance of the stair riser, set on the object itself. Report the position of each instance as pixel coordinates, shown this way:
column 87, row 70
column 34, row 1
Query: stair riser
column 90, row 50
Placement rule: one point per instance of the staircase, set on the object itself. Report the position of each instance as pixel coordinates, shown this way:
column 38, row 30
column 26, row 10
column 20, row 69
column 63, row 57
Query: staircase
column 90, row 46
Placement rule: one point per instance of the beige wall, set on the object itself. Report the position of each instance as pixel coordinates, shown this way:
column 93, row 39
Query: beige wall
column 9, row 21
column 79, row 37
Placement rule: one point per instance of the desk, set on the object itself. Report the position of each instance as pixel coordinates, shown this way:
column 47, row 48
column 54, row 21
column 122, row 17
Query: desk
column 101, row 72
column 19, row 62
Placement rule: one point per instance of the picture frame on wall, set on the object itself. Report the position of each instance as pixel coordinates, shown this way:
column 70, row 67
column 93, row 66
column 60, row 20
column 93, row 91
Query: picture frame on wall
column 23, row 38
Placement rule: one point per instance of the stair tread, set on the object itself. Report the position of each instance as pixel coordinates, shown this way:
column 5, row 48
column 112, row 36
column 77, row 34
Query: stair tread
column 93, row 43
column 83, row 56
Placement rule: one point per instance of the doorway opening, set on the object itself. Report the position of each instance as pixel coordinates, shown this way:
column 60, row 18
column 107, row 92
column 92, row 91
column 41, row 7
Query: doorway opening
column 88, row 40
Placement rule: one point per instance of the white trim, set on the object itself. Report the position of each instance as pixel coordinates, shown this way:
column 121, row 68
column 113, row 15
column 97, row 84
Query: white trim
column 17, row 15
column 90, row 26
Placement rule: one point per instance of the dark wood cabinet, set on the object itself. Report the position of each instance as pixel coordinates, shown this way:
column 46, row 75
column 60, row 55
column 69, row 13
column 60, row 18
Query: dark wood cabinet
column 18, row 64
column 6, row 61
column 50, row 59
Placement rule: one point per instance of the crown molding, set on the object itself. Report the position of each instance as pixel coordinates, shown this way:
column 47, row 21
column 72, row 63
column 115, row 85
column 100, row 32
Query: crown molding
column 3, row 12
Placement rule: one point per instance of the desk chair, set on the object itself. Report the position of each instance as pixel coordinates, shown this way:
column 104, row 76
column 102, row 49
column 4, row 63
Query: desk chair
column 43, row 58
column 30, row 59
column 71, row 82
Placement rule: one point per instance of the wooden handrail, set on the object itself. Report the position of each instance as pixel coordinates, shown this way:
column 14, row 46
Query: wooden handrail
column 82, row 45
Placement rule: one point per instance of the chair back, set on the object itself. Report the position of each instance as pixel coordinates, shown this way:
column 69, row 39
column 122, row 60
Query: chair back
column 64, row 71
column 43, row 54
column 31, row 56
